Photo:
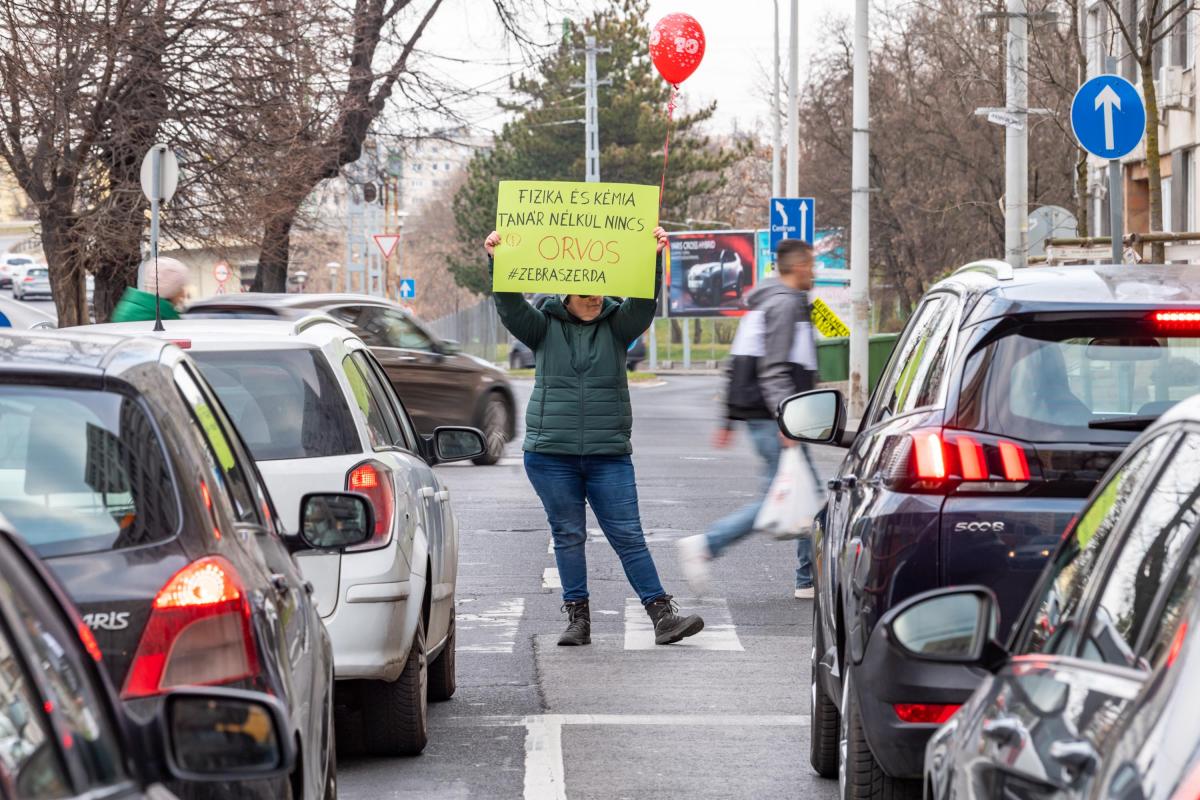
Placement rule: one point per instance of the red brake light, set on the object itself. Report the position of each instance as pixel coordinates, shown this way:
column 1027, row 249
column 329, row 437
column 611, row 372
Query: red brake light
column 971, row 459
column 925, row 713
column 182, row 344
column 89, row 642
column 929, row 455
column 1016, row 467
column 1177, row 320
column 1177, row 644
column 199, row 632
column 373, row 480
column 28, row 279
column 941, row 461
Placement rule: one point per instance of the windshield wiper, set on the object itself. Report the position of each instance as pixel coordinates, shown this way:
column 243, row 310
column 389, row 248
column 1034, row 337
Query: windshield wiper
column 1130, row 423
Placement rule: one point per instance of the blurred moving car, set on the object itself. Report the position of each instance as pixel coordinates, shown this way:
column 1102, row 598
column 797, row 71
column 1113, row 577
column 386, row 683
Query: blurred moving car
column 65, row 734
column 708, row 283
column 439, row 384
column 10, row 264
column 1094, row 695
column 31, row 280
column 1008, row 396
column 317, row 413
column 121, row 469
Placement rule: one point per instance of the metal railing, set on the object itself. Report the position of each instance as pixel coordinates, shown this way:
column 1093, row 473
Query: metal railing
column 477, row 330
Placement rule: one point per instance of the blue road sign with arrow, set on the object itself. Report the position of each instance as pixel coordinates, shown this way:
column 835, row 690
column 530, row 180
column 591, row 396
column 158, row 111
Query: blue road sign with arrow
column 792, row 218
column 1108, row 116
column 408, row 288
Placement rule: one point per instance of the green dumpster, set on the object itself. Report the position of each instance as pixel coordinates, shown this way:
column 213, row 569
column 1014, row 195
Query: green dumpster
column 833, row 357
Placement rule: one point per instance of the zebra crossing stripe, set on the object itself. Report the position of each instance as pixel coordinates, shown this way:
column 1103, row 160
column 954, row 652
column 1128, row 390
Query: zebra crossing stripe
column 490, row 628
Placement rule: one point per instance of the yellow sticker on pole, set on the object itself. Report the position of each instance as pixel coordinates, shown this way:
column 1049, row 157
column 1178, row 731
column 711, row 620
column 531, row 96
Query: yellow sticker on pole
column 827, row 322
column 576, row 238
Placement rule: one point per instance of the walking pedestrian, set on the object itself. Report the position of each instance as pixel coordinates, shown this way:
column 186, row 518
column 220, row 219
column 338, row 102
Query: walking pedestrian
column 577, row 442
column 137, row 305
column 773, row 357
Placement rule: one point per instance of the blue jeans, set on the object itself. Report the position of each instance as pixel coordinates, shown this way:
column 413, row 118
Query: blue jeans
column 607, row 484
column 724, row 532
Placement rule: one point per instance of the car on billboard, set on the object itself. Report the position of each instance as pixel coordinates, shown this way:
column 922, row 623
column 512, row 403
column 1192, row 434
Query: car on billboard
column 710, row 282
column 709, row 273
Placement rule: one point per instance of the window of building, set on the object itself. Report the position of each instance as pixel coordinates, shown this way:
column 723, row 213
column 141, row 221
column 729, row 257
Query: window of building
column 1094, row 42
column 1189, row 190
column 1167, row 205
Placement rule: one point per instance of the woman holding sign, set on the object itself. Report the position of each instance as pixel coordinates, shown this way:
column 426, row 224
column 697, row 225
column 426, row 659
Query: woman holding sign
column 577, row 441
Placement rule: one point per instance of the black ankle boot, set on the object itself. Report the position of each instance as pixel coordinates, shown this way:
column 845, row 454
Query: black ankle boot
column 579, row 624
column 669, row 627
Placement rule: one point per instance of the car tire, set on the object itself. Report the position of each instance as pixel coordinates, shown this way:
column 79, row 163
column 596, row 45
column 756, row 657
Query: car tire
column 396, row 716
column 823, row 718
column 494, row 424
column 441, row 672
column 859, row 775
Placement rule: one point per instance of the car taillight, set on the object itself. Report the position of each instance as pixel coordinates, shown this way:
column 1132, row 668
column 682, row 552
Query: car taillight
column 374, row 481
column 948, row 460
column 199, row 632
column 1177, row 320
column 29, row 279
column 926, row 713
column 1189, row 787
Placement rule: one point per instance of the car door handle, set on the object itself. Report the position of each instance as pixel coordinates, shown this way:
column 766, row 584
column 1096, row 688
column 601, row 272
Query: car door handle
column 1004, row 730
column 1079, row 757
column 426, row 492
column 281, row 583
column 308, row 588
column 443, row 495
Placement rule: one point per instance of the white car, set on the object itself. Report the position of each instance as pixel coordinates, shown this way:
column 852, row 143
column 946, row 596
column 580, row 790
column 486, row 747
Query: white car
column 318, row 414
column 31, row 280
column 9, row 264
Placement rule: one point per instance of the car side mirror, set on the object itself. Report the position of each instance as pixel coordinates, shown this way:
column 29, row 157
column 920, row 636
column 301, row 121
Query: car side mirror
column 449, row 347
column 457, row 444
column 954, row 625
column 817, row 417
column 217, row 734
column 335, row 521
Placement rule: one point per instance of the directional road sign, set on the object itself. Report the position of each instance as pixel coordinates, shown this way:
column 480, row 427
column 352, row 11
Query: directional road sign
column 1108, row 116
column 792, row 218
column 408, row 288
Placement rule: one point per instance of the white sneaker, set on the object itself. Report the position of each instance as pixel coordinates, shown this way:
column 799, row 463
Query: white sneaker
column 805, row 594
column 693, row 558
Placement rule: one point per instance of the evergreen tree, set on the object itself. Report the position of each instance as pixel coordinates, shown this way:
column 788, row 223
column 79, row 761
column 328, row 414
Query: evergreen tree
column 543, row 143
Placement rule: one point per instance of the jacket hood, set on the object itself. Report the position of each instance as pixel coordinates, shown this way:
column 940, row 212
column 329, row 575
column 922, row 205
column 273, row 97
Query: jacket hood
column 771, row 289
column 555, row 308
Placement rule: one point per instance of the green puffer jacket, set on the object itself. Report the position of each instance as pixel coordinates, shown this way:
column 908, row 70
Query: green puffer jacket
column 580, row 402
column 138, row 306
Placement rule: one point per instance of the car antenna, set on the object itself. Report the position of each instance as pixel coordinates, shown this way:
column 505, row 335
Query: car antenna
column 158, row 326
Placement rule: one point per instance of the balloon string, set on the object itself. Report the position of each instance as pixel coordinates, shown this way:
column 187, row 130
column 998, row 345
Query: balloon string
column 662, row 188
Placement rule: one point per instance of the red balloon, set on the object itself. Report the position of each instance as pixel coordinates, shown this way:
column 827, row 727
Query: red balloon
column 676, row 47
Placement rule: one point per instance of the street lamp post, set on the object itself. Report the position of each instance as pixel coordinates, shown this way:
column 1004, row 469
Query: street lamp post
column 860, row 219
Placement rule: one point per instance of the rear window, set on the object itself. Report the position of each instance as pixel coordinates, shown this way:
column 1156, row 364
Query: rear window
column 285, row 403
column 82, row 471
column 1097, row 381
column 38, row 272
column 19, row 262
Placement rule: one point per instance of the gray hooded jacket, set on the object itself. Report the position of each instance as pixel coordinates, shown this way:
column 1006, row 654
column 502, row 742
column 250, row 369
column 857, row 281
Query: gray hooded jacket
column 773, row 355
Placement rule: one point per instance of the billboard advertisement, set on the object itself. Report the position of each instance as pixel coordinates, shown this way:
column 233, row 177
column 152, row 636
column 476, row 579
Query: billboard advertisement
column 709, row 273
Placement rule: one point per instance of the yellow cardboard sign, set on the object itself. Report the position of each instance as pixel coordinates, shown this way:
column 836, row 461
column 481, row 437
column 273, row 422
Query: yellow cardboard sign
column 827, row 322
column 576, row 238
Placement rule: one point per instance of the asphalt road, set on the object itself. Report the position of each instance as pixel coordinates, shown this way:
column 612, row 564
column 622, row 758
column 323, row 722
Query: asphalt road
column 723, row 716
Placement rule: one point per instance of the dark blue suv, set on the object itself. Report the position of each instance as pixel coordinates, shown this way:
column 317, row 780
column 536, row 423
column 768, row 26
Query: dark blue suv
column 1007, row 397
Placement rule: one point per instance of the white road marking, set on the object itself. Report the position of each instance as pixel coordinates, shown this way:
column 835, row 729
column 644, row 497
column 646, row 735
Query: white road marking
column 719, row 631
column 544, row 773
column 550, row 579
column 493, row 629
column 550, row 547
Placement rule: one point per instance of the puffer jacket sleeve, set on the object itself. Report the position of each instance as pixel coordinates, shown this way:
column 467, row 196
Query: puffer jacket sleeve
column 636, row 313
column 521, row 319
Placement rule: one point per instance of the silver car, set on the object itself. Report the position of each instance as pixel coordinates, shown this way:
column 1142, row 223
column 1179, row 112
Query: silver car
column 32, row 280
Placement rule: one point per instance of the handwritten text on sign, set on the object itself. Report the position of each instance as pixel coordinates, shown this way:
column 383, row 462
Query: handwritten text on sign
column 576, row 238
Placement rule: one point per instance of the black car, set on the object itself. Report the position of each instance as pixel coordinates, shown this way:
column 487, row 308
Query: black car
column 1008, row 396
column 439, row 384
column 521, row 357
column 1093, row 694
column 120, row 468
column 65, row 734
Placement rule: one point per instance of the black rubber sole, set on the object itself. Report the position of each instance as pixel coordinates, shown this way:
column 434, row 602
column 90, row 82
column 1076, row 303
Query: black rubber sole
column 694, row 626
column 573, row 642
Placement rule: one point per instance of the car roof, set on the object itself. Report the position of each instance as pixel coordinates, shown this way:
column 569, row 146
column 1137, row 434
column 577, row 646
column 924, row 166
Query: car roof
column 226, row 333
column 74, row 350
column 292, row 300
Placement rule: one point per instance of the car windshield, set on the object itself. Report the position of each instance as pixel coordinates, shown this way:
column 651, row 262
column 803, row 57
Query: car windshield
column 82, row 471
column 285, row 403
column 1098, row 381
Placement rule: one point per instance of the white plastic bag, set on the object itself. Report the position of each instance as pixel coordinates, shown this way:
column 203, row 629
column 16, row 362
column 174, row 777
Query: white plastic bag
column 793, row 499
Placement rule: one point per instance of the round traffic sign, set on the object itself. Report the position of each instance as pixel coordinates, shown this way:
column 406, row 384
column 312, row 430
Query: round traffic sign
column 221, row 272
column 168, row 173
column 1108, row 116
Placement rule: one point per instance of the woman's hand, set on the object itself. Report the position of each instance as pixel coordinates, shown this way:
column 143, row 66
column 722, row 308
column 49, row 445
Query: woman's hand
column 493, row 239
column 661, row 235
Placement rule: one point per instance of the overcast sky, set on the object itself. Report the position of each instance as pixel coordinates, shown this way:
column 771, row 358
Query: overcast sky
column 470, row 50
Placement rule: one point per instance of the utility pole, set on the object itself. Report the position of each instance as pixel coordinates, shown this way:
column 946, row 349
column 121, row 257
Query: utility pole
column 860, row 219
column 1016, row 138
column 777, row 142
column 591, row 102
column 793, row 145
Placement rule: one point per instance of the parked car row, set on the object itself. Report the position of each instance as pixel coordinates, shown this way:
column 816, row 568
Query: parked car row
column 145, row 470
column 963, row 575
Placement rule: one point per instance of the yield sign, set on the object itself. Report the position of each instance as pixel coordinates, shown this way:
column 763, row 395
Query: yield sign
column 386, row 242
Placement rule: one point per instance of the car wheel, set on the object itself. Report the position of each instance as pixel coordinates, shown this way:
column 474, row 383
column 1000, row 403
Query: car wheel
column 494, row 425
column 396, row 715
column 441, row 671
column 823, row 715
column 859, row 775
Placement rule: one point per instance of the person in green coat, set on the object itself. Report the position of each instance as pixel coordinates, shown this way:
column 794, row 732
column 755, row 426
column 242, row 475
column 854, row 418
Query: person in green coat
column 577, row 442
column 137, row 305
